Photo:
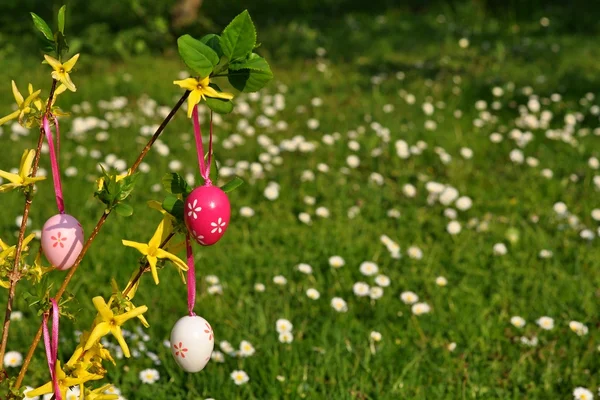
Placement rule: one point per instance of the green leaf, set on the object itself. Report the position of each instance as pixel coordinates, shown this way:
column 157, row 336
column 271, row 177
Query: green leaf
column 251, row 74
column 174, row 206
column 214, row 42
column 239, row 37
column 175, row 184
column 124, row 210
column 126, row 186
column 61, row 19
column 253, row 62
column 42, row 26
column 220, row 106
column 196, row 55
column 232, row 184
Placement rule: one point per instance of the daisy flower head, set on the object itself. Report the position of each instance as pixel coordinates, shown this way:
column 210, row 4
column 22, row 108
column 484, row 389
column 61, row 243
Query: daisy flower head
column 441, row 281
column 13, row 359
column 336, row 261
column 339, row 304
column 382, row 280
column 368, row 268
column 420, row 308
column 581, row 393
column 217, row 356
column 409, row 297
column 517, row 321
column 239, row 377
column 375, row 292
column 283, row 325
column 149, row 376
column 545, row 323
column 415, row 253
column 500, row 249
column 304, row 268
column 313, row 294
column 360, row 289
column 246, row 349
column 579, row 328
column 286, row 337
column 375, row 336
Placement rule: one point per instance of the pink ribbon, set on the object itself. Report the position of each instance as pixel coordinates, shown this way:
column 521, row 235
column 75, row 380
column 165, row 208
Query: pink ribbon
column 204, row 167
column 54, row 162
column 52, row 347
column 191, row 276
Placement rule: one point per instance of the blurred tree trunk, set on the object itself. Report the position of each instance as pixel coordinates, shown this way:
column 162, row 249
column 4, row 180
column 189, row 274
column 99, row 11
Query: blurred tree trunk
column 185, row 12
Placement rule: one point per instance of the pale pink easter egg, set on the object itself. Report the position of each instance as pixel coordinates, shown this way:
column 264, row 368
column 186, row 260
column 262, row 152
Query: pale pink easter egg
column 192, row 343
column 206, row 213
column 62, row 240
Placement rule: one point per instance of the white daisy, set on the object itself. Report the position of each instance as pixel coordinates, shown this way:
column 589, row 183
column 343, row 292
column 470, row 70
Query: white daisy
column 420, row 308
column 13, row 359
column 368, row 268
column 336, row 261
column 246, row 349
column 409, row 297
column 339, row 304
column 283, row 325
column 286, row 337
column 375, row 336
column 517, row 321
column 546, row 323
column 313, row 294
column 360, row 289
column 149, row 375
column 239, row 377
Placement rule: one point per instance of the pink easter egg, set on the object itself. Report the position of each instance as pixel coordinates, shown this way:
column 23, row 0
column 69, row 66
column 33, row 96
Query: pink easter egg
column 206, row 214
column 62, row 240
column 192, row 343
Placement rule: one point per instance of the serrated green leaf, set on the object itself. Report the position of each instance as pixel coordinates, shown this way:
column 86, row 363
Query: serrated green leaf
column 124, row 210
column 42, row 26
column 61, row 19
column 239, row 37
column 220, row 106
column 174, row 206
column 251, row 80
column 175, row 184
column 214, row 42
column 232, row 184
column 197, row 55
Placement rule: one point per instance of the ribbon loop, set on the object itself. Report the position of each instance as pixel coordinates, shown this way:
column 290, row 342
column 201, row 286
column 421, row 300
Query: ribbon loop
column 51, row 345
column 54, row 161
column 204, row 166
column 191, row 276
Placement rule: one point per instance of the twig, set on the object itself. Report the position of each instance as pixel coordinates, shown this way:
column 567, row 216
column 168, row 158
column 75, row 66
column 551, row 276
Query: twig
column 87, row 244
column 162, row 126
column 15, row 275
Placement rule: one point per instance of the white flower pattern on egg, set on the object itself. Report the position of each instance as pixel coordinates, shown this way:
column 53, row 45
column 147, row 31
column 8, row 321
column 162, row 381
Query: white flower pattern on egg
column 193, row 210
column 199, row 238
column 218, row 226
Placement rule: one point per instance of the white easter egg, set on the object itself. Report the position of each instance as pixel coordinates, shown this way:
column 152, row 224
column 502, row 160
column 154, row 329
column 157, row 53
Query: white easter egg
column 192, row 343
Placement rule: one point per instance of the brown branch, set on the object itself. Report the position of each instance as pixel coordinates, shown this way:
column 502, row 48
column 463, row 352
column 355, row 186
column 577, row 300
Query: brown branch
column 15, row 275
column 88, row 243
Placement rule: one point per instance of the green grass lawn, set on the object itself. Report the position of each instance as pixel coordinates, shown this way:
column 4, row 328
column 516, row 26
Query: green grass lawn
column 377, row 83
